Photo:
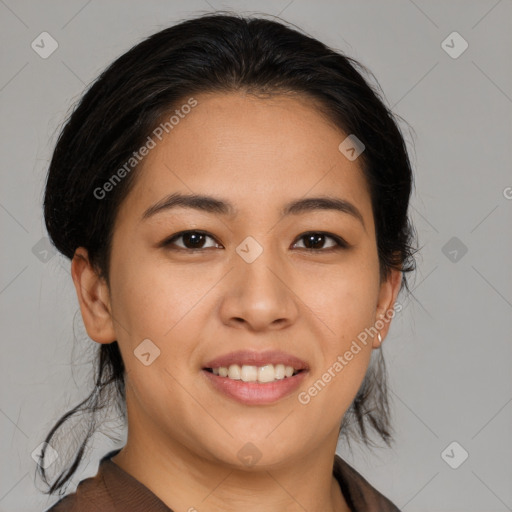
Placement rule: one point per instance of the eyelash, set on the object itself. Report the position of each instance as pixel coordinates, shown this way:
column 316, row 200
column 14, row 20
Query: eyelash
column 340, row 243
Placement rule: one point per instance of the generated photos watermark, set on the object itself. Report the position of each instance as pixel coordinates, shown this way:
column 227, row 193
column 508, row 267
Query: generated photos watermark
column 137, row 156
column 305, row 397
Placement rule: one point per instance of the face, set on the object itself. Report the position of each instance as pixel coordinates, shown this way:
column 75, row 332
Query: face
column 293, row 289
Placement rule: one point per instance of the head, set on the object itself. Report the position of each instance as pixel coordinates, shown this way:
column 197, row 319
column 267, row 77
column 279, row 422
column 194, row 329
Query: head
column 226, row 107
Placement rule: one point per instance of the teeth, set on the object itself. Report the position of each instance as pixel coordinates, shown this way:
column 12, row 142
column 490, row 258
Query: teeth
column 248, row 373
column 235, row 372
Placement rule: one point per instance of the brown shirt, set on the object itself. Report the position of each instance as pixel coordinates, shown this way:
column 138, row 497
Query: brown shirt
column 114, row 490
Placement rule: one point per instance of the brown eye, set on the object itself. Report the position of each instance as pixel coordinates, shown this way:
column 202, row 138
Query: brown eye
column 191, row 240
column 314, row 241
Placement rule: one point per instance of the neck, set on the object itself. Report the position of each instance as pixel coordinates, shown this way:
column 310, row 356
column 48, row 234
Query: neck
column 184, row 480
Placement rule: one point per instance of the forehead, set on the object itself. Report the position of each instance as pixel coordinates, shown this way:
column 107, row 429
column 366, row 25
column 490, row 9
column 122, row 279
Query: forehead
column 258, row 152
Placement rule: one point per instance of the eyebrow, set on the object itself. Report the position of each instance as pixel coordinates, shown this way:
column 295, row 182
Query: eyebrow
column 211, row 204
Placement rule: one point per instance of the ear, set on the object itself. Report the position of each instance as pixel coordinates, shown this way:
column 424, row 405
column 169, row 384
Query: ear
column 389, row 290
column 94, row 298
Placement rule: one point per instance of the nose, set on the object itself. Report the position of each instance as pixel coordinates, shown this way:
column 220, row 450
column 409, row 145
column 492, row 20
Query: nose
column 259, row 295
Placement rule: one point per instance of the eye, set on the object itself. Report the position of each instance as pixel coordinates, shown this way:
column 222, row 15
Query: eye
column 192, row 240
column 317, row 238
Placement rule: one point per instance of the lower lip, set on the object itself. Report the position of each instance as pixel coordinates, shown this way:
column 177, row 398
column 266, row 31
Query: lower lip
column 255, row 393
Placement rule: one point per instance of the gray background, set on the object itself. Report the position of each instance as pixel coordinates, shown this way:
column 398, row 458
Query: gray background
column 448, row 352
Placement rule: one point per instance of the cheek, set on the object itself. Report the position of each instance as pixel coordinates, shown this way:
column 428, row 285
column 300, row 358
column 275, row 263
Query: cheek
column 150, row 298
column 168, row 307
column 154, row 309
column 343, row 305
column 343, row 297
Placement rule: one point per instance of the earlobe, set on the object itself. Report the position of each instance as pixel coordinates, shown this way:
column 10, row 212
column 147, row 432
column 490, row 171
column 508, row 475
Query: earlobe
column 93, row 297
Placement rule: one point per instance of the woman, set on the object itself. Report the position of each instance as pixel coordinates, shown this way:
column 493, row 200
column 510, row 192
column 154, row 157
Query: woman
column 233, row 198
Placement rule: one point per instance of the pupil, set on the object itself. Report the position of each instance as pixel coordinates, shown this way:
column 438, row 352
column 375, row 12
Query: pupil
column 311, row 238
column 194, row 237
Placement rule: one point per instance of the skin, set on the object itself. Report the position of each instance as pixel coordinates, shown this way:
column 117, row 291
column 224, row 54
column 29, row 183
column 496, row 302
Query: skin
column 184, row 436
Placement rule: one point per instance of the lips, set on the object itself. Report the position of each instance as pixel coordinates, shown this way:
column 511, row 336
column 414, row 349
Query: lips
column 254, row 358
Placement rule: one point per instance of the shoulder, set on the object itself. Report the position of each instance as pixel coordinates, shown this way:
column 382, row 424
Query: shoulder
column 91, row 494
column 358, row 492
column 111, row 490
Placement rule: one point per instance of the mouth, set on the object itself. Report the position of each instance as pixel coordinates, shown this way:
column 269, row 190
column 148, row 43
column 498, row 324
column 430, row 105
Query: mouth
column 253, row 378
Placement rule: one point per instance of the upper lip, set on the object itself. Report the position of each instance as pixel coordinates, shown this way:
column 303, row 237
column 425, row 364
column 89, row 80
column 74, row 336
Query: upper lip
column 255, row 358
